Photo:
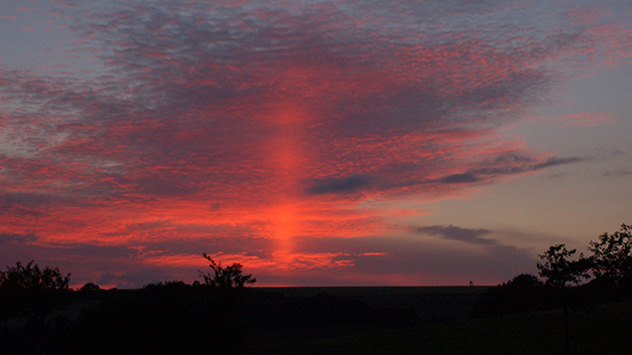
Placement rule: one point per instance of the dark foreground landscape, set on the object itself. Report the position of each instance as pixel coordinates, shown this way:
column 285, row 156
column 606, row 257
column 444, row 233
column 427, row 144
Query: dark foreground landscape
column 176, row 317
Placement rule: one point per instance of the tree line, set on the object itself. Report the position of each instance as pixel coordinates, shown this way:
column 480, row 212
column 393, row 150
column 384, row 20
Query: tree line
column 608, row 267
column 39, row 313
column 611, row 261
column 35, row 303
column 604, row 275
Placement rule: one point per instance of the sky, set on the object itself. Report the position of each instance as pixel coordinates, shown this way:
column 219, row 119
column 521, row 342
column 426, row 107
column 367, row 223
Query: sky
column 317, row 143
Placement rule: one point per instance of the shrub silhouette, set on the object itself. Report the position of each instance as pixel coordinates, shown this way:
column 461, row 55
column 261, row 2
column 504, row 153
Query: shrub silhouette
column 225, row 277
column 90, row 287
column 31, row 277
column 523, row 293
column 28, row 290
column 28, row 296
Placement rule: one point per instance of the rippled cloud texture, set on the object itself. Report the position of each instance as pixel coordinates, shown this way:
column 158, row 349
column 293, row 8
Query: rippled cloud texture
column 284, row 135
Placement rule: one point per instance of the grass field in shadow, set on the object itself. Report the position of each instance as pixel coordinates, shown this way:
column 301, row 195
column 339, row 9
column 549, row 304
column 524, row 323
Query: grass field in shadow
column 602, row 329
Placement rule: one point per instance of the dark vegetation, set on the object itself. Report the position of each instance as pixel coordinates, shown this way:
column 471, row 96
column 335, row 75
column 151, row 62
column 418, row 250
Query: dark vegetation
column 40, row 314
column 566, row 284
column 610, row 265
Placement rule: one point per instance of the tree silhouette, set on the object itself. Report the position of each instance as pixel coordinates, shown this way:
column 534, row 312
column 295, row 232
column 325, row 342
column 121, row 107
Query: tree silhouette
column 31, row 291
column 559, row 270
column 225, row 277
column 612, row 255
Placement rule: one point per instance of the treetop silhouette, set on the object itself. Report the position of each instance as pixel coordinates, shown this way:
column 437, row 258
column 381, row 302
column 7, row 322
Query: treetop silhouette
column 558, row 269
column 612, row 254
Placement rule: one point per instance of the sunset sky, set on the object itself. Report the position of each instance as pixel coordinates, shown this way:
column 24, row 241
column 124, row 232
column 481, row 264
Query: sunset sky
column 318, row 143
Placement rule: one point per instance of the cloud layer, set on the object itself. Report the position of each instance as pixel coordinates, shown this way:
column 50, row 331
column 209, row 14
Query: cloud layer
column 253, row 129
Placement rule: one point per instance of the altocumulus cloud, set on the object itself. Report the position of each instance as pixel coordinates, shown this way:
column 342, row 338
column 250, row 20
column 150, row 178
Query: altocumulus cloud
column 288, row 114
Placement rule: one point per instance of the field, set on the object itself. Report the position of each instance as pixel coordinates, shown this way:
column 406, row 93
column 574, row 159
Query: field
column 604, row 329
column 431, row 304
column 428, row 305
column 349, row 320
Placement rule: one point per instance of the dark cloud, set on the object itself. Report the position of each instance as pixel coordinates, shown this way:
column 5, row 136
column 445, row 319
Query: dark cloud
column 24, row 204
column 464, row 178
column 337, row 185
column 457, row 233
column 10, row 199
column 512, row 164
column 618, row 173
column 503, row 165
column 555, row 162
column 89, row 251
column 18, row 238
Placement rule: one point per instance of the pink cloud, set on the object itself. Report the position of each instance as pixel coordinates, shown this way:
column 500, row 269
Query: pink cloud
column 587, row 119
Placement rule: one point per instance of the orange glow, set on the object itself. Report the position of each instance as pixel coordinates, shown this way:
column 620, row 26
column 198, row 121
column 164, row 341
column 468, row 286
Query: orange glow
column 284, row 226
column 286, row 160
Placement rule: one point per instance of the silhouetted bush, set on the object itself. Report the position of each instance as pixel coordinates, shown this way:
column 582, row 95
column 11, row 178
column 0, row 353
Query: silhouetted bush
column 90, row 287
column 229, row 277
column 521, row 294
column 27, row 290
column 28, row 297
